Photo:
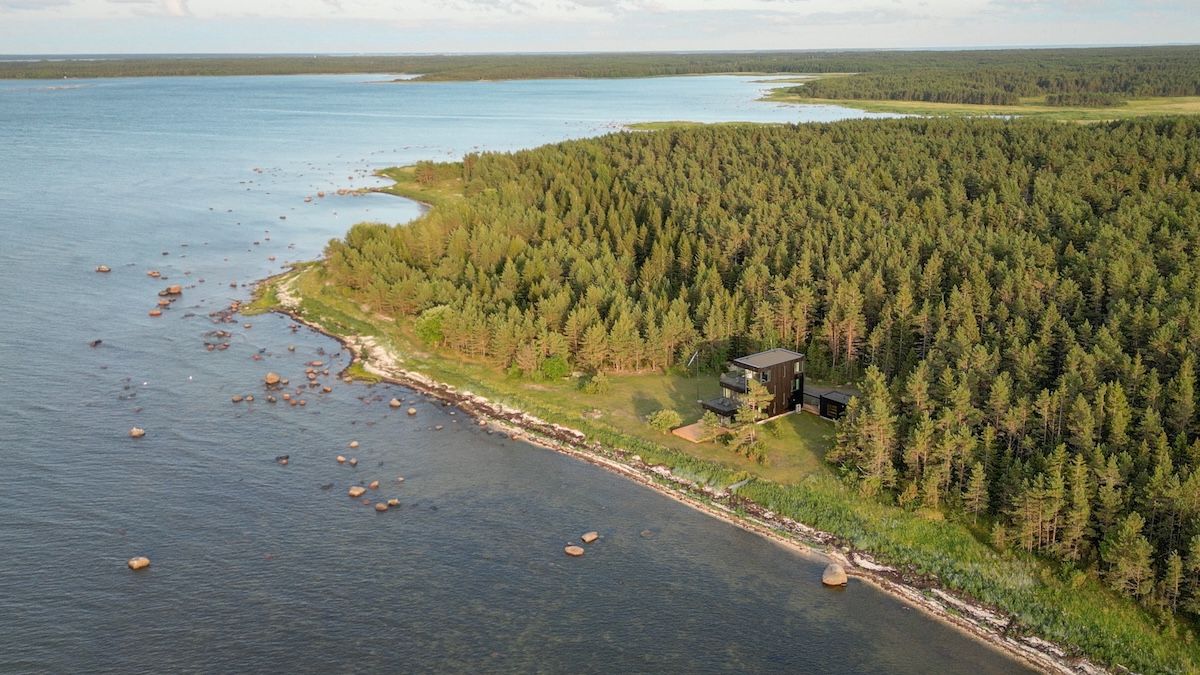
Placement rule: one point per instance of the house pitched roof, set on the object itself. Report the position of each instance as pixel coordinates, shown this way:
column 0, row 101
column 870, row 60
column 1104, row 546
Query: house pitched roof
column 771, row 357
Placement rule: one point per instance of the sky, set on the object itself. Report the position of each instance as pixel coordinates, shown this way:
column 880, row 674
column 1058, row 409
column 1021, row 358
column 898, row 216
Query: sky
column 452, row 26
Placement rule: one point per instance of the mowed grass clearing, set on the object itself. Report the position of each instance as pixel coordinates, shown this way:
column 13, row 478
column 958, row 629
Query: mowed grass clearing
column 796, row 443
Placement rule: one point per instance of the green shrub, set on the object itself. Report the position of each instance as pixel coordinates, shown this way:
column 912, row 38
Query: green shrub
column 665, row 420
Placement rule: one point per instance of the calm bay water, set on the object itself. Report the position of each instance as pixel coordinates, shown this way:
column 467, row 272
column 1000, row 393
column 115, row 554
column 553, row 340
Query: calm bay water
column 261, row 567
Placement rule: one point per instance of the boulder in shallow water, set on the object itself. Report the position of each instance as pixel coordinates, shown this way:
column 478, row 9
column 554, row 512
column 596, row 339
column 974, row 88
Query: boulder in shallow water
column 357, row 491
column 590, row 537
column 271, row 379
column 574, row 551
column 138, row 562
column 103, row 268
column 834, row 575
column 374, row 485
column 412, row 411
column 381, row 507
column 137, row 432
column 395, row 403
column 354, row 444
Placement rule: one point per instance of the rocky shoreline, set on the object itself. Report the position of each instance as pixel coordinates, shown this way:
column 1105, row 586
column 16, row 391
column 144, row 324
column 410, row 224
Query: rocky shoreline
column 924, row 592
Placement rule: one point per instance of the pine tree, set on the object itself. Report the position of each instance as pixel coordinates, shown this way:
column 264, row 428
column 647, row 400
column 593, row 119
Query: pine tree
column 1126, row 553
column 976, row 496
column 868, row 435
column 1075, row 524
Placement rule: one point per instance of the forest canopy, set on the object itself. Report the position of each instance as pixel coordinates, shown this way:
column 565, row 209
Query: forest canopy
column 1020, row 300
column 1088, row 78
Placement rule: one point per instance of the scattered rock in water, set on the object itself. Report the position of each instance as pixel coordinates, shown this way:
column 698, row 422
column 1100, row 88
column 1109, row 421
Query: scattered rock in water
column 340, row 459
column 287, row 397
column 646, row 534
column 393, row 502
column 270, row 399
column 412, row 411
column 137, row 432
column 153, row 273
column 155, row 312
column 399, row 479
column 353, row 462
column 291, row 348
column 283, row 462
column 283, row 458
column 354, row 444
column 271, row 379
column 395, row 403
column 250, row 398
column 138, row 562
column 236, row 398
column 574, row 551
column 327, row 389
column 834, row 575
column 95, row 343
column 357, row 491
column 103, row 268
column 483, row 423
column 164, row 303
column 374, row 485
column 590, row 537
column 438, row 428
column 381, row 507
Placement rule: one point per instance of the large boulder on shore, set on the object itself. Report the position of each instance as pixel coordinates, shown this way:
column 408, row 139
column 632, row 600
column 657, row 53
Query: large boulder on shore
column 834, row 575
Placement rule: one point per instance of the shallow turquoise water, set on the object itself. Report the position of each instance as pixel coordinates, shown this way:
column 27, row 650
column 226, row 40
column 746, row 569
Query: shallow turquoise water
column 255, row 566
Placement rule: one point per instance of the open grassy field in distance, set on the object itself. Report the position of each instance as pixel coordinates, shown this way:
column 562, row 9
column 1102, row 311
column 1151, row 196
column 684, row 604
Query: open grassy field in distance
column 1029, row 107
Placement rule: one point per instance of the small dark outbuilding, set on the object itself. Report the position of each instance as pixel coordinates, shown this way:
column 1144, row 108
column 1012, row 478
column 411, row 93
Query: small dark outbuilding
column 781, row 371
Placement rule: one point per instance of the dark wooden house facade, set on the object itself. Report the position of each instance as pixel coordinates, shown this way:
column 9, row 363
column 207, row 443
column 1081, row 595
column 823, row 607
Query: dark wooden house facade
column 781, row 371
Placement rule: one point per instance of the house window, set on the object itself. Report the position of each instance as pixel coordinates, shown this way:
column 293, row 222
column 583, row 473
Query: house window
column 796, row 384
column 764, row 376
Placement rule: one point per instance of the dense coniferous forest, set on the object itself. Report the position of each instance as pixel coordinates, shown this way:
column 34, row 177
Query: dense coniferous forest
column 920, row 75
column 1020, row 301
column 1090, row 78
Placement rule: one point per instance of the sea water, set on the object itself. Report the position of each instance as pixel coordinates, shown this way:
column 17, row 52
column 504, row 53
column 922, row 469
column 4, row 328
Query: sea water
column 258, row 566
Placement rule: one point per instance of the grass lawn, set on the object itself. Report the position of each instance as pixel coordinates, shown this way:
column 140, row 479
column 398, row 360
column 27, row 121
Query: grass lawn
column 795, row 443
column 1029, row 107
column 442, row 182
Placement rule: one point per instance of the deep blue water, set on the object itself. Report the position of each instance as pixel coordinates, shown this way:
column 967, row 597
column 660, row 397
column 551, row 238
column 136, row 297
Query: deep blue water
column 256, row 567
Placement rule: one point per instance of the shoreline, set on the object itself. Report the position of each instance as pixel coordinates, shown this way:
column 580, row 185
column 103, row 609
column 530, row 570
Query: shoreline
column 979, row 621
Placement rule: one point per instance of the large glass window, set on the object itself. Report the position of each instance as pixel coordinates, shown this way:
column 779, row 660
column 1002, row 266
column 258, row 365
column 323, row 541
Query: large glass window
column 764, row 376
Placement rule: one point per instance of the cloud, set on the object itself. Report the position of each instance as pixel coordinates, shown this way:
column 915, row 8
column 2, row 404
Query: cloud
column 33, row 4
column 176, row 8
column 336, row 4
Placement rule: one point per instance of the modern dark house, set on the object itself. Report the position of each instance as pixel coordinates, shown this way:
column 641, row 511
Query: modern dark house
column 781, row 371
column 828, row 403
